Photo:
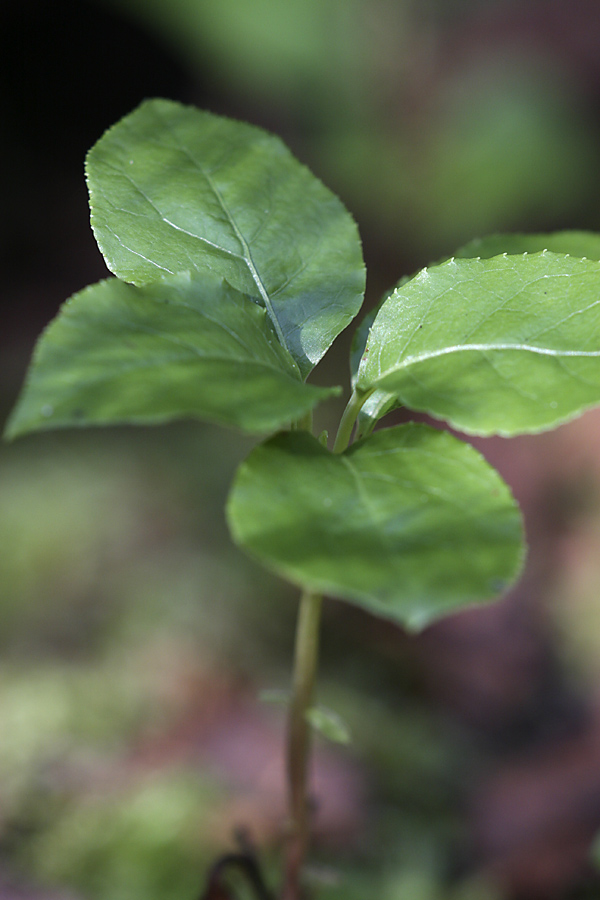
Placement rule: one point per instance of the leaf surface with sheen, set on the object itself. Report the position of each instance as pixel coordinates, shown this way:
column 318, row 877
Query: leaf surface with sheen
column 410, row 523
column 173, row 188
column 505, row 345
column 187, row 346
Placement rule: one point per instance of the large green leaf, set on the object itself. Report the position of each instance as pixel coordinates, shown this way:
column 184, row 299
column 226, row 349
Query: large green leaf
column 504, row 345
column 185, row 346
column 575, row 243
column 173, row 188
column 410, row 523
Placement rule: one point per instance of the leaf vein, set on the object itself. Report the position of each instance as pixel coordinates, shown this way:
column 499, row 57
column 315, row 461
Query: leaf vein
column 247, row 254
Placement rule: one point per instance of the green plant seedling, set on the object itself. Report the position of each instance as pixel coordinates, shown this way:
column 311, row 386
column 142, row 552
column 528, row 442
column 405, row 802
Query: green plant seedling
column 235, row 271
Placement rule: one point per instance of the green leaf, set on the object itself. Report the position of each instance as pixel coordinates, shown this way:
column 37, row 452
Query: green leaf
column 361, row 334
column 173, row 188
column 185, row 346
column 329, row 724
column 575, row 243
column 379, row 403
column 410, row 523
column 504, row 345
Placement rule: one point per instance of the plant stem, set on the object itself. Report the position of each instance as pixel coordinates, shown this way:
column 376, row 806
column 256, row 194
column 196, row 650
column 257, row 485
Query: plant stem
column 299, row 729
column 342, row 438
column 299, row 739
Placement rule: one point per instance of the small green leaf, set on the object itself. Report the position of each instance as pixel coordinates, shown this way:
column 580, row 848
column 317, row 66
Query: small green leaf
column 185, row 346
column 173, row 188
column 329, row 724
column 505, row 345
column 583, row 244
column 410, row 523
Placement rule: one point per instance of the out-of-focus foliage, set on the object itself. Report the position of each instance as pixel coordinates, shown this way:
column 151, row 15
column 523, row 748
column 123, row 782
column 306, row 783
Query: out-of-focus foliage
column 419, row 882
column 151, row 840
column 430, row 135
column 92, row 529
column 128, row 638
column 281, row 50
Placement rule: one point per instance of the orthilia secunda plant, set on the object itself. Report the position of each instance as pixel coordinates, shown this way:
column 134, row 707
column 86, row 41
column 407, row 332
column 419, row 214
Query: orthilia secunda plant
column 235, row 269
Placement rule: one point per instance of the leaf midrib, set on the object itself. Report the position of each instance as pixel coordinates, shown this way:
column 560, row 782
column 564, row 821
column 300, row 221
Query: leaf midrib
column 483, row 348
column 247, row 255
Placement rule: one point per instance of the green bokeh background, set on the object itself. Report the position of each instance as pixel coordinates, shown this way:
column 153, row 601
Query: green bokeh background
column 131, row 632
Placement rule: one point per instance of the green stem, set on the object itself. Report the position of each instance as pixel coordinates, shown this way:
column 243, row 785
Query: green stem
column 299, row 729
column 342, row 438
column 299, row 739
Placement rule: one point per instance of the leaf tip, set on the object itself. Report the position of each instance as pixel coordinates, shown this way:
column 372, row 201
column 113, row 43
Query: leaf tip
column 417, row 621
column 329, row 724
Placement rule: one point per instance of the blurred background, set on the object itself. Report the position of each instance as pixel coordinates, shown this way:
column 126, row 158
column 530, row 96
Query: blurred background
column 135, row 640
